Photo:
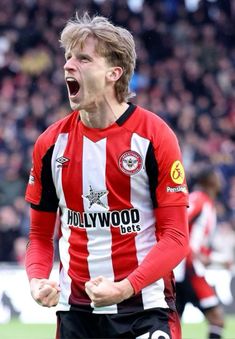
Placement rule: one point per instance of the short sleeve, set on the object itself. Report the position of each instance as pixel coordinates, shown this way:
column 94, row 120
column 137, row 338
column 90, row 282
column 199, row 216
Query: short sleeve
column 171, row 187
column 34, row 186
column 40, row 190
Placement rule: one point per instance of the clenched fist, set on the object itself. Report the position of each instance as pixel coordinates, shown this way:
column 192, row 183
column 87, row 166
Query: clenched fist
column 104, row 292
column 45, row 292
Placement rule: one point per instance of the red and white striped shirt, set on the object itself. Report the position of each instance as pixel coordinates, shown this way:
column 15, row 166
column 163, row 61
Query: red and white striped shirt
column 108, row 184
column 202, row 222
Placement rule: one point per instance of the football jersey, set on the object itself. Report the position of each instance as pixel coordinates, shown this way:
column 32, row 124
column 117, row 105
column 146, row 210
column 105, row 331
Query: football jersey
column 107, row 184
column 202, row 221
column 202, row 224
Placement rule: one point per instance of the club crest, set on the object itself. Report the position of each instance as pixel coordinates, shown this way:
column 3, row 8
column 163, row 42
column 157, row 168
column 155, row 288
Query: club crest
column 130, row 162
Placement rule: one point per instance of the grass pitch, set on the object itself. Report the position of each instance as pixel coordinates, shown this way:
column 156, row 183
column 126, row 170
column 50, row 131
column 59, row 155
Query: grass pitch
column 17, row 330
column 199, row 330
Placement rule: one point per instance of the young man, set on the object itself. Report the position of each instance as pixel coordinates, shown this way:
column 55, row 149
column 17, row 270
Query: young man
column 114, row 171
column 202, row 225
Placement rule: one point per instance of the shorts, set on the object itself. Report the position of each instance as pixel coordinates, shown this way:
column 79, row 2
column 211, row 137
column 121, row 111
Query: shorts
column 196, row 290
column 149, row 324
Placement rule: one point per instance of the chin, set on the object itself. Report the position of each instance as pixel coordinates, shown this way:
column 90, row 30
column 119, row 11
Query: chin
column 74, row 105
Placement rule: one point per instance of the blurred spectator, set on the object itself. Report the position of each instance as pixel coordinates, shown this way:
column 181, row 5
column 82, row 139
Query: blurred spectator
column 9, row 232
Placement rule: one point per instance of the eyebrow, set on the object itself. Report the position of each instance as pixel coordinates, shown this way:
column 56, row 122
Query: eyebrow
column 79, row 55
column 83, row 55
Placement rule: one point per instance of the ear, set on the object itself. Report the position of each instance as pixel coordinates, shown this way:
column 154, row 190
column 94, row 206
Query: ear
column 114, row 73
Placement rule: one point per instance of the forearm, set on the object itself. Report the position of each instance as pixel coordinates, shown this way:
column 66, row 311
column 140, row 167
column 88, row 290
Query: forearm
column 40, row 250
column 171, row 248
column 39, row 259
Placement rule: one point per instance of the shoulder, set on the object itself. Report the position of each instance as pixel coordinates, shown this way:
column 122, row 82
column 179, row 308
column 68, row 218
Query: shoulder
column 48, row 138
column 150, row 116
column 150, row 124
column 63, row 125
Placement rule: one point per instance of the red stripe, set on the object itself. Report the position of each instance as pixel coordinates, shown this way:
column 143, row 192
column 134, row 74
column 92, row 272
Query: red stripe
column 201, row 287
column 57, row 336
column 123, row 246
column 72, row 184
column 174, row 325
column 168, row 290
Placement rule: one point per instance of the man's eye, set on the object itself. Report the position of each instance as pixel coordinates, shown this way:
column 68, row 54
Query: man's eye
column 84, row 59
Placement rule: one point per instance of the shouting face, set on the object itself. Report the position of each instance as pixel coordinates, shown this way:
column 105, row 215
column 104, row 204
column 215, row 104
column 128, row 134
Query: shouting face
column 87, row 76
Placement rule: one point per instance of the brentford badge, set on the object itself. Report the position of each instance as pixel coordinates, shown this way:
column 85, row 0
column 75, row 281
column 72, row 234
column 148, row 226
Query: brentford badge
column 130, row 162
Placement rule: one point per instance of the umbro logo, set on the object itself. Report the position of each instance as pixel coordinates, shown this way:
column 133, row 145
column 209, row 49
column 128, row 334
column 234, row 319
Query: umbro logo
column 62, row 160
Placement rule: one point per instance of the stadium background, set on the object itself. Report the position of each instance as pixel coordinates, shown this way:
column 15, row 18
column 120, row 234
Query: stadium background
column 185, row 73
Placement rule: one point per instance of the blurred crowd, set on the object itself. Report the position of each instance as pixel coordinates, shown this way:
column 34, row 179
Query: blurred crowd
column 185, row 73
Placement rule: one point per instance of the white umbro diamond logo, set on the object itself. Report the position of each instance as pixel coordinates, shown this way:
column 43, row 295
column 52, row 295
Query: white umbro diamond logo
column 62, row 160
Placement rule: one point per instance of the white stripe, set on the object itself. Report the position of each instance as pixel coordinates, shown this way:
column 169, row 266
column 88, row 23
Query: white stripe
column 143, row 336
column 202, row 233
column 153, row 295
column 179, row 271
column 209, row 302
column 198, row 236
column 99, row 240
column 65, row 280
column 215, row 329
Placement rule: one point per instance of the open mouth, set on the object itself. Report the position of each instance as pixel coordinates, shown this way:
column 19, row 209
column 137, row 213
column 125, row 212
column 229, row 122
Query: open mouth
column 73, row 86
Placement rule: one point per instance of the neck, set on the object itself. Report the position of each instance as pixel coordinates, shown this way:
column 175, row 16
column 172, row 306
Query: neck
column 103, row 115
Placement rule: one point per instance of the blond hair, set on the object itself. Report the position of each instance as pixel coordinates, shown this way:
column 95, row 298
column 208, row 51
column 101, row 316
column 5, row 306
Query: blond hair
column 115, row 43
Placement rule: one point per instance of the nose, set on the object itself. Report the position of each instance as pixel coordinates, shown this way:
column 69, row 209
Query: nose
column 70, row 64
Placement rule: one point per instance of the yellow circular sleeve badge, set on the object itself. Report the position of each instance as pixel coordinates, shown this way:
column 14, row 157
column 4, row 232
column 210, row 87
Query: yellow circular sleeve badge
column 177, row 172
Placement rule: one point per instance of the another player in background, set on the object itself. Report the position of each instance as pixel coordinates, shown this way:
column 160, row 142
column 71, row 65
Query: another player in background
column 114, row 171
column 193, row 287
